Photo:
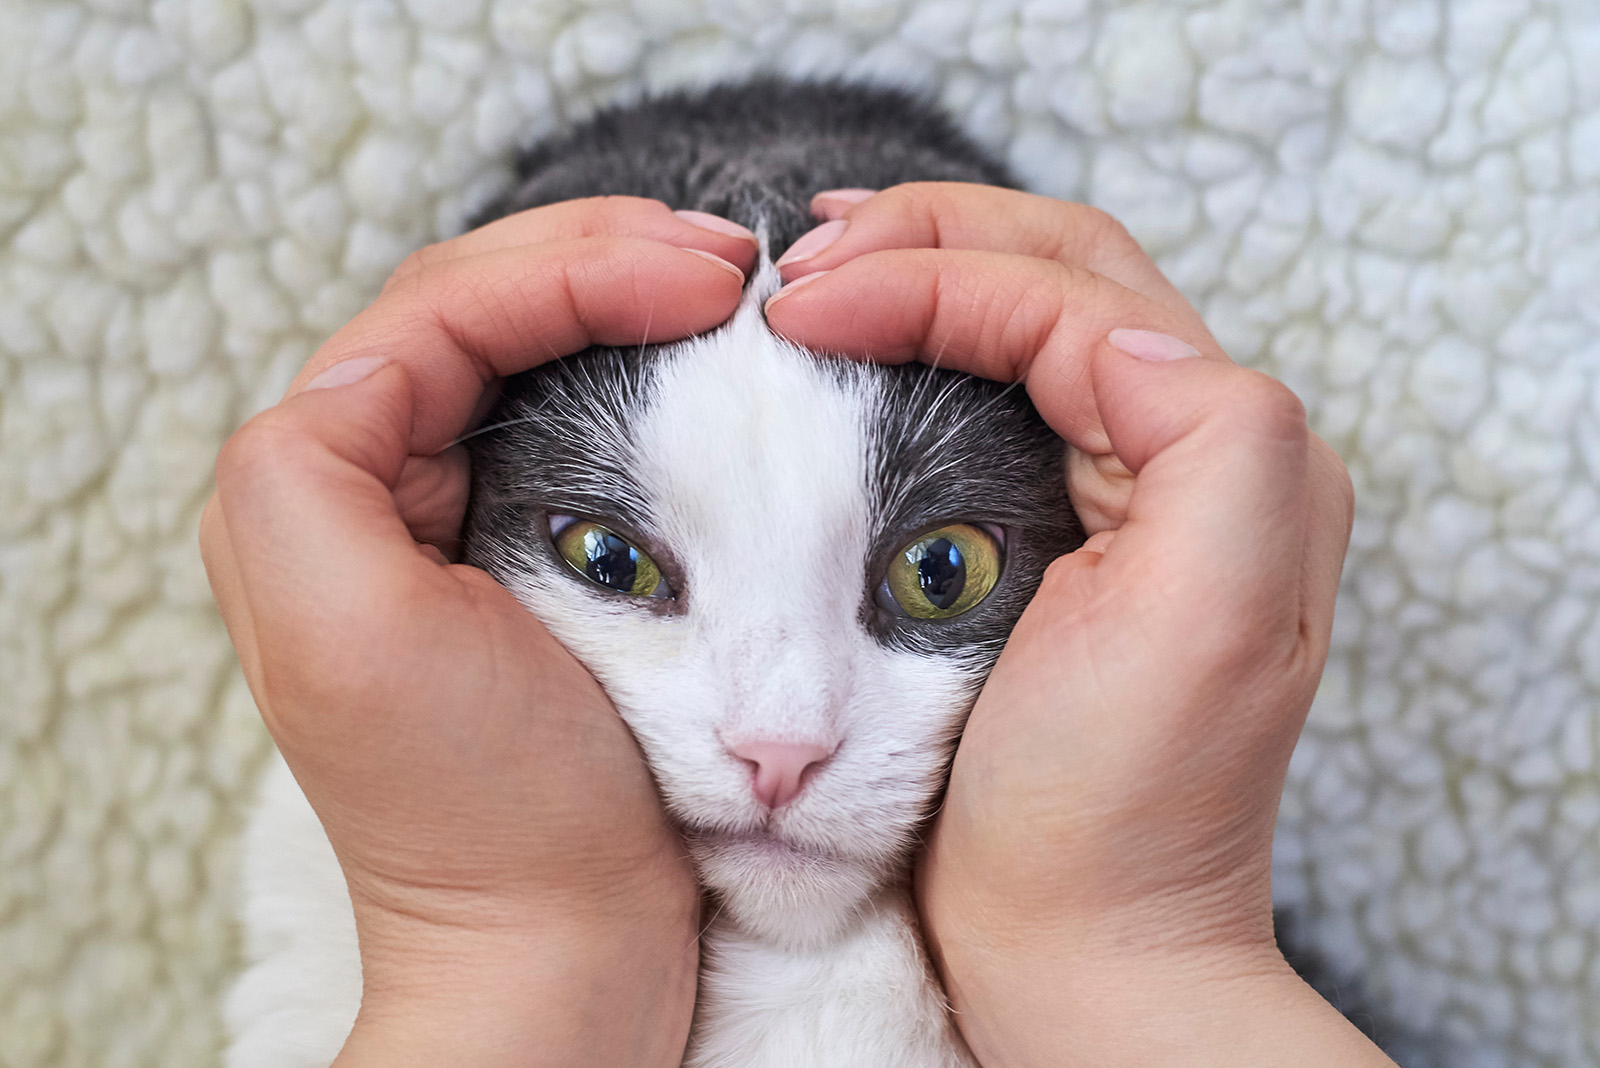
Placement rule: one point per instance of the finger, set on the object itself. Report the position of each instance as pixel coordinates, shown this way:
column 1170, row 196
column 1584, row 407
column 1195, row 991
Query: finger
column 1099, row 486
column 305, row 494
column 1000, row 316
column 431, row 498
column 1330, row 501
column 1217, row 524
column 957, row 215
column 222, row 571
column 1219, row 454
column 593, row 217
column 456, row 326
column 836, row 203
column 1098, row 542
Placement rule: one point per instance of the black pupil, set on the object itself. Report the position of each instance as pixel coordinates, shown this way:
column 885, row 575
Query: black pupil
column 941, row 572
column 610, row 561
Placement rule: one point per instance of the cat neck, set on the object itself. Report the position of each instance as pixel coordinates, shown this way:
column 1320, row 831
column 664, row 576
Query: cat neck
column 865, row 999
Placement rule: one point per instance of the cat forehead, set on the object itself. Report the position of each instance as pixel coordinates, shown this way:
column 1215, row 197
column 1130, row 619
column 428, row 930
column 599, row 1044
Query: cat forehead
column 745, row 437
column 742, row 417
column 746, row 464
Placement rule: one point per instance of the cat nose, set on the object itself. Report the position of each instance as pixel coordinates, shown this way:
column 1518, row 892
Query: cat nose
column 780, row 768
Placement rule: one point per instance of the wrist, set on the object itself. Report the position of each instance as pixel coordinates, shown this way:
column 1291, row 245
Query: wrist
column 1135, row 1005
column 572, row 989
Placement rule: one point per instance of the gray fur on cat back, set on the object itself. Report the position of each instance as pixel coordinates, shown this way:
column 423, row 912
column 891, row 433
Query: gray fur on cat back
column 754, row 152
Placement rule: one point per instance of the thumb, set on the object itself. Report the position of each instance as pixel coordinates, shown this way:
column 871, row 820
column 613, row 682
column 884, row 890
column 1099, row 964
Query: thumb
column 1211, row 552
column 304, row 491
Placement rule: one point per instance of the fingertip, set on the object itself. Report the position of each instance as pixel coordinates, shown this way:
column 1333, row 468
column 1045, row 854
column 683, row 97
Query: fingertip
column 718, row 225
column 812, row 243
column 833, row 203
column 365, row 420
column 723, row 238
column 1151, row 345
column 346, row 373
column 1152, row 388
column 789, row 289
column 711, row 257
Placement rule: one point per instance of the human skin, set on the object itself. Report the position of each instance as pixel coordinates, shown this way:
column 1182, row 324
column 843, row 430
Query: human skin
column 514, row 879
column 1096, row 889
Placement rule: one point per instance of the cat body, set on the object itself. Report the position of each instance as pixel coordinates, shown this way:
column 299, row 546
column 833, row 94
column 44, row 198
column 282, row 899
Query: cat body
column 791, row 574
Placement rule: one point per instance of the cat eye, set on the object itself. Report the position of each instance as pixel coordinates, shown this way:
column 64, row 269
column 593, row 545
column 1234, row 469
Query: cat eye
column 606, row 558
column 943, row 573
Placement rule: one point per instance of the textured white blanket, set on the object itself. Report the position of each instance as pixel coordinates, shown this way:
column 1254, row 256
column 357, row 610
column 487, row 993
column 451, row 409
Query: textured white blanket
column 1394, row 206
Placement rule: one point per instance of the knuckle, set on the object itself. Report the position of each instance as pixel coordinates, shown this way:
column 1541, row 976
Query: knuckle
column 212, row 534
column 1075, row 602
column 255, row 444
column 415, row 263
column 1063, row 587
column 1269, row 407
column 1058, row 575
column 922, row 203
column 1105, row 232
column 1341, row 486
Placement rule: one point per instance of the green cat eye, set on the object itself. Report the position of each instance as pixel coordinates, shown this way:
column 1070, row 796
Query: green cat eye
column 604, row 557
column 944, row 572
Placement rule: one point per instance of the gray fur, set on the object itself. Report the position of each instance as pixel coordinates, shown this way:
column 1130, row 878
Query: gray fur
column 753, row 152
column 949, row 446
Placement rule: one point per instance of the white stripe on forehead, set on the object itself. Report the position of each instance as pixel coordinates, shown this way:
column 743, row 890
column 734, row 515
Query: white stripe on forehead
column 753, row 456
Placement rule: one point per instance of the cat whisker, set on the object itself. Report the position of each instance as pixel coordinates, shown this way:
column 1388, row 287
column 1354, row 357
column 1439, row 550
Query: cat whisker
column 707, row 925
column 944, row 344
column 492, row 426
column 649, row 318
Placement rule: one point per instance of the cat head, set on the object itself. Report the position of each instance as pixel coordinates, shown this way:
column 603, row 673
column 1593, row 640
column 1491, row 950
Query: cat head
column 790, row 573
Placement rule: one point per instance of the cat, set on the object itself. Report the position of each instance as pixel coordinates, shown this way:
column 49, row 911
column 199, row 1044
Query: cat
column 790, row 572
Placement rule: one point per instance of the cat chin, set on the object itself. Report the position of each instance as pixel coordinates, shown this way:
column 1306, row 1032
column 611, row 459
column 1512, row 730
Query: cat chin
column 782, row 894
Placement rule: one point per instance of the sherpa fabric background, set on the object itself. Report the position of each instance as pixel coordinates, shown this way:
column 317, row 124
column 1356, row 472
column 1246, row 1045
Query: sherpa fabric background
column 1394, row 206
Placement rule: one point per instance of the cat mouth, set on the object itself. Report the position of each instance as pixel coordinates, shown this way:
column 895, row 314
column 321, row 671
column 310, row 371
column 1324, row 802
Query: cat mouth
column 758, row 845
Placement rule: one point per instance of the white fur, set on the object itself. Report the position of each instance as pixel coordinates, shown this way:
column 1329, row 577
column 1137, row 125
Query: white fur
column 755, row 463
column 294, row 1005
column 862, row 1000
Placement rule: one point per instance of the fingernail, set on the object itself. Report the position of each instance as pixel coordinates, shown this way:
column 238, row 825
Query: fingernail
column 716, row 224
column 718, row 260
column 813, row 242
column 1149, row 345
column 347, row 372
column 844, row 196
column 792, row 286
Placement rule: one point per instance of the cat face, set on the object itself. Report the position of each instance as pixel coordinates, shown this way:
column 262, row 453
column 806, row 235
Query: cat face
column 790, row 574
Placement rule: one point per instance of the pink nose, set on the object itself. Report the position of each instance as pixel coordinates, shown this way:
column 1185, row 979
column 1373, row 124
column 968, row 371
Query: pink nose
column 780, row 768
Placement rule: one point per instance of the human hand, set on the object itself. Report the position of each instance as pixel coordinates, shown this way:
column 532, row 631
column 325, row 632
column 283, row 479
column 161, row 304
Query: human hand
column 513, row 875
column 1097, row 886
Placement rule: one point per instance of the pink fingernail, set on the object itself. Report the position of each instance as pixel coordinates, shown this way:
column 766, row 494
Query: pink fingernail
column 718, row 260
column 813, row 242
column 845, row 196
column 716, row 224
column 792, row 286
column 347, row 372
column 1149, row 345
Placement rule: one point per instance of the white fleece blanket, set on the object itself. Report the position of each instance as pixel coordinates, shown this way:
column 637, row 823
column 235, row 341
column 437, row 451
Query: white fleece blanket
column 1393, row 206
